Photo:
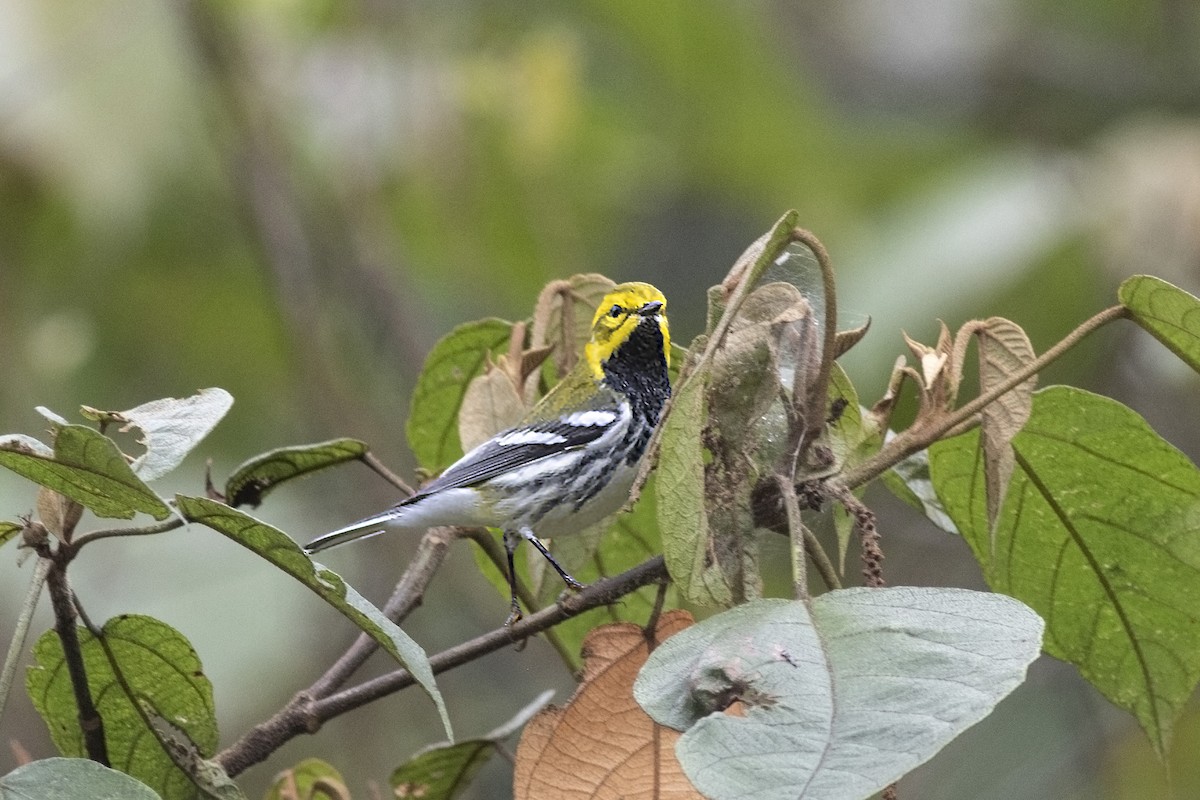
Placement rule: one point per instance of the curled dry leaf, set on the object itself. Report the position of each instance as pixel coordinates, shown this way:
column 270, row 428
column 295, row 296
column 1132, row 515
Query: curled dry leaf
column 939, row 383
column 490, row 404
column 1004, row 350
column 602, row 744
column 562, row 318
column 59, row 514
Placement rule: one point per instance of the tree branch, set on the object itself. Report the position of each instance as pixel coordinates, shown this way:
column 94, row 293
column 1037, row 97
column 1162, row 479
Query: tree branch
column 431, row 552
column 306, row 714
column 169, row 524
column 90, row 722
column 918, row 438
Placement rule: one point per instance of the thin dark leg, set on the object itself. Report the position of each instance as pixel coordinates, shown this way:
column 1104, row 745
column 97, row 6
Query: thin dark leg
column 511, row 540
column 566, row 576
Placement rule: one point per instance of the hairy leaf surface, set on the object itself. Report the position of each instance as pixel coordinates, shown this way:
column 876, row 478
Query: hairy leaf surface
column 1098, row 534
column 779, row 701
column 164, row 674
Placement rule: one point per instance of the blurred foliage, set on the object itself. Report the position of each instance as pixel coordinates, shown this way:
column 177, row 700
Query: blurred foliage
column 295, row 199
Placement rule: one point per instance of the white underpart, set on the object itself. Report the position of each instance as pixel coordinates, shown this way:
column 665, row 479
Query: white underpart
column 529, row 437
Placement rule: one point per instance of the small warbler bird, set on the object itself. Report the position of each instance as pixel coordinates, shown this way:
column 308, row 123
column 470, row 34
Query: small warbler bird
column 572, row 460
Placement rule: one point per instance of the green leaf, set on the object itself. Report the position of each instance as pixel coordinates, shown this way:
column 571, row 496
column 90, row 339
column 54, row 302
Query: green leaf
column 251, row 481
column 1170, row 314
column 71, row 779
column 457, row 358
column 443, row 771
column 840, row 701
column 311, row 779
column 172, row 427
column 275, row 546
column 162, row 671
column 9, row 530
column 682, row 518
column 88, row 468
column 1098, row 534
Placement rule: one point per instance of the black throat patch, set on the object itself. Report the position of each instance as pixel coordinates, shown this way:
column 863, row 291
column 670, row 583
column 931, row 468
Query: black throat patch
column 638, row 369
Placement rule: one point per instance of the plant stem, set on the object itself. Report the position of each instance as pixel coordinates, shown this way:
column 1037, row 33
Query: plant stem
column 90, row 722
column 380, row 469
column 22, row 630
column 796, row 537
column 819, row 391
column 820, row 559
column 162, row 527
column 919, row 437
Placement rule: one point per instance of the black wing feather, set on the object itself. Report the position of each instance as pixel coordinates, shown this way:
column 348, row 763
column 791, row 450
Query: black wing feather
column 495, row 459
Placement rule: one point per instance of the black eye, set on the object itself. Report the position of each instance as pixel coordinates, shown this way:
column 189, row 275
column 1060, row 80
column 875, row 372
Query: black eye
column 615, row 311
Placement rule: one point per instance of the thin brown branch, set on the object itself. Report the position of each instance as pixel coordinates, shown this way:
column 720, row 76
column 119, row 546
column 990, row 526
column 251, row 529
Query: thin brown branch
column 305, row 714
column 169, row 524
column 22, row 629
column 380, row 469
column 821, row 560
column 431, row 552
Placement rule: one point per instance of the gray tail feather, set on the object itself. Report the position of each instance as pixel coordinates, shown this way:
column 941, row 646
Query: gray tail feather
column 357, row 530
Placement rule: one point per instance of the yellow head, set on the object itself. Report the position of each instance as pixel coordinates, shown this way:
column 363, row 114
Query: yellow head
column 619, row 314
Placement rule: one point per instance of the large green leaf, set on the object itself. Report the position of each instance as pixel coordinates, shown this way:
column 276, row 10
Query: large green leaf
column 837, row 701
column 275, row 546
column 1169, row 313
column 457, row 358
column 1098, row 534
column 164, row 674
column 88, row 468
column 71, row 779
column 251, row 481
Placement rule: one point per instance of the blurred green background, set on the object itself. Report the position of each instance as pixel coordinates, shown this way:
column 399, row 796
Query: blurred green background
column 293, row 199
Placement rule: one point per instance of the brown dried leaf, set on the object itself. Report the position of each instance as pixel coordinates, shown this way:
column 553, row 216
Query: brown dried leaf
column 938, row 381
column 847, row 339
column 59, row 514
column 602, row 745
column 490, row 404
column 1004, row 350
column 562, row 318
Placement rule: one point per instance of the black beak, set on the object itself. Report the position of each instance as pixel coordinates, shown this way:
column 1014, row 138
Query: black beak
column 650, row 309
